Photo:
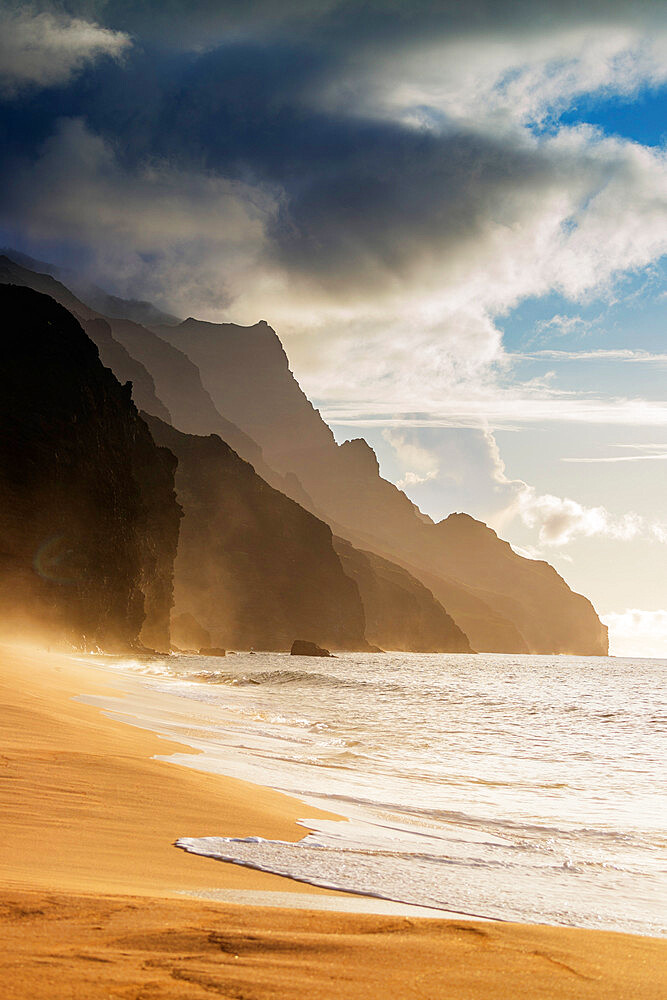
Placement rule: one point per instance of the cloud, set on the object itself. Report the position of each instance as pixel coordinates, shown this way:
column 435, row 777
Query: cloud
column 658, row 456
column 517, row 71
column 444, row 470
column 506, row 409
column 635, row 632
column 644, row 452
column 562, row 326
column 441, row 469
column 153, row 225
column 382, row 25
column 559, row 520
column 420, row 465
column 415, row 479
column 625, row 354
column 40, row 48
column 382, row 234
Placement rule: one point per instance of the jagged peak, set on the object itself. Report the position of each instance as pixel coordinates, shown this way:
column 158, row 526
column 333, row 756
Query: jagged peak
column 361, row 454
column 466, row 522
column 256, row 336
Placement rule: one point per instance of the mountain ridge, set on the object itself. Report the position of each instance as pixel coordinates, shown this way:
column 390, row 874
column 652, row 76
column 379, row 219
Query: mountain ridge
column 259, row 393
column 243, row 374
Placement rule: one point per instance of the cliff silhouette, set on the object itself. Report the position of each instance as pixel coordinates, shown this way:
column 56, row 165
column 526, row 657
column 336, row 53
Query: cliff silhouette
column 458, row 577
column 503, row 601
column 88, row 515
column 401, row 613
column 254, row 569
column 112, row 353
column 165, row 382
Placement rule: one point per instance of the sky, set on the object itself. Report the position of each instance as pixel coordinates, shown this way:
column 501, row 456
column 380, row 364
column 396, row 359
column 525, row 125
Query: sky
column 454, row 215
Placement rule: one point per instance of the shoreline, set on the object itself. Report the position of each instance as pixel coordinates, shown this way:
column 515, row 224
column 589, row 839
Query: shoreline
column 88, row 819
column 121, row 805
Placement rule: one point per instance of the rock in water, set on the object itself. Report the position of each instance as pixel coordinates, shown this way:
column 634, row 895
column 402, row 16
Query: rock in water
column 212, row 651
column 300, row 647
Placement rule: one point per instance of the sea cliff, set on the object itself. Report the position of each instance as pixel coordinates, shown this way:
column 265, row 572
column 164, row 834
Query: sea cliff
column 88, row 515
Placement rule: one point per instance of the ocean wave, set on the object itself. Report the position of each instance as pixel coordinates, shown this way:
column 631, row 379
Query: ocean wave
column 273, row 677
column 489, row 891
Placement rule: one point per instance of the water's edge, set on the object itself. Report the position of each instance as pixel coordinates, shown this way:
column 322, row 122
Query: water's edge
column 448, row 824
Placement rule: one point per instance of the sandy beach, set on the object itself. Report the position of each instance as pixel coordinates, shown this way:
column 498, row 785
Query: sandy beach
column 91, row 884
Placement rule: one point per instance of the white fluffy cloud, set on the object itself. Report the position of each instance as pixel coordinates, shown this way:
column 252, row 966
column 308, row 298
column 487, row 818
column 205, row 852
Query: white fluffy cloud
column 559, row 520
column 635, row 632
column 585, row 210
column 520, row 74
column 44, row 47
column 419, row 464
column 403, row 294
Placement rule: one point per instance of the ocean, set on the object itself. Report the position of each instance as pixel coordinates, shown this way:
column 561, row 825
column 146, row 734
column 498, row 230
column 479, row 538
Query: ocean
column 523, row 788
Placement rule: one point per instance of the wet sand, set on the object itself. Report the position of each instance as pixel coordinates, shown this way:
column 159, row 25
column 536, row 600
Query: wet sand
column 90, row 883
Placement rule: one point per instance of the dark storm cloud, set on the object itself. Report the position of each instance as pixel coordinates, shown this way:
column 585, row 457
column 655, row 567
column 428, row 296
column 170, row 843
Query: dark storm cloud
column 350, row 189
column 241, row 91
column 354, row 22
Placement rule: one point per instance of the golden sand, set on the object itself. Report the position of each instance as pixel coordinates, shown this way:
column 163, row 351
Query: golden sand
column 89, row 884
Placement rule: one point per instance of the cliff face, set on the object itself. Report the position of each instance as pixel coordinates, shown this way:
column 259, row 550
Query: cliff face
column 112, row 353
column 530, row 592
column 88, row 515
column 493, row 633
column 178, row 384
column 247, row 394
column 400, row 612
column 253, row 568
column 503, row 602
column 165, row 382
column 246, row 371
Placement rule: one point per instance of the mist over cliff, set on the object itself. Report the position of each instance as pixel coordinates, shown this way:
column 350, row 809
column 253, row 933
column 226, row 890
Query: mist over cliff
column 256, row 563
column 254, row 568
column 502, row 601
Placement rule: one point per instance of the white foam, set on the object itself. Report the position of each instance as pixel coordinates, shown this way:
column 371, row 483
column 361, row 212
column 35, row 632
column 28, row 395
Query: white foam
column 506, row 796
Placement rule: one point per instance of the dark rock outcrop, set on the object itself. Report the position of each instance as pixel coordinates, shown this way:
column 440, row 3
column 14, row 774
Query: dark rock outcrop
column 88, row 515
column 253, row 567
column 401, row 613
column 301, row 647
